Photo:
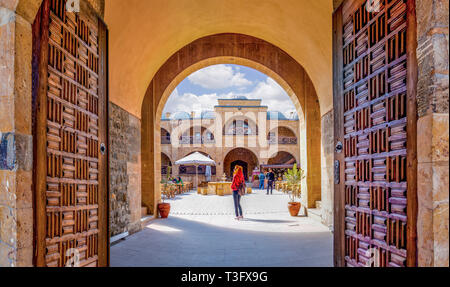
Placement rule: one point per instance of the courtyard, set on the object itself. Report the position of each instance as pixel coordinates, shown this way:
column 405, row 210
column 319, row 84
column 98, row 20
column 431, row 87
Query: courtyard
column 201, row 231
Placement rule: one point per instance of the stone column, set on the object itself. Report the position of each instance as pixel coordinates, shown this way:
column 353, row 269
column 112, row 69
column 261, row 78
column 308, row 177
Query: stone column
column 16, row 144
column 327, row 208
column 432, row 131
column 310, row 155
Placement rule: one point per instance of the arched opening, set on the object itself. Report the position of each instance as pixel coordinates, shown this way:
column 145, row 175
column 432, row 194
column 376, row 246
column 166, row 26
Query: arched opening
column 234, row 49
column 243, row 157
column 279, row 163
column 282, row 135
column 282, row 158
column 165, row 137
column 166, row 165
column 197, row 135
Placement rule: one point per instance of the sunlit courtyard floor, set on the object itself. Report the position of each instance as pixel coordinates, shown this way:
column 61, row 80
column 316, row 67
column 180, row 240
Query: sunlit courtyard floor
column 202, row 231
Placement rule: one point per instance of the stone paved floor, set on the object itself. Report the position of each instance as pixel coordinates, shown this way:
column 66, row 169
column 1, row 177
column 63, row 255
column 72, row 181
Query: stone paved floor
column 202, row 231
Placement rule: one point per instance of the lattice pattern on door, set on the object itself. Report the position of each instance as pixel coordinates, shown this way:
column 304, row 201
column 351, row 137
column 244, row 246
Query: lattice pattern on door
column 72, row 137
column 374, row 83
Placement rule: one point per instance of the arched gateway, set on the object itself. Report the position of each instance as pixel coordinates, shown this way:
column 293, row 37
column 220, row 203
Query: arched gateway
column 236, row 49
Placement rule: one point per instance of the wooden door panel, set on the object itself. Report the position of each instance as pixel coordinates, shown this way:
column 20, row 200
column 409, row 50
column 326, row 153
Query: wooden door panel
column 71, row 125
column 371, row 106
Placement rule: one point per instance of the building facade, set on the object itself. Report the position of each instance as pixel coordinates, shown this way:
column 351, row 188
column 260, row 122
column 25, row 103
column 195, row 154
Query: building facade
column 238, row 131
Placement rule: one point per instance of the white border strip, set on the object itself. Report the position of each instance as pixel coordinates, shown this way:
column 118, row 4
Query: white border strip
column 118, row 237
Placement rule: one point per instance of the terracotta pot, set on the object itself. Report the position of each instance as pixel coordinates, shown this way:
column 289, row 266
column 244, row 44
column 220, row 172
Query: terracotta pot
column 294, row 208
column 164, row 209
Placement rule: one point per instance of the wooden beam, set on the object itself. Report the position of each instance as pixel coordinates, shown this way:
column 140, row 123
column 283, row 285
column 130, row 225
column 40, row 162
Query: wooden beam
column 339, row 188
column 411, row 172
column 40, row 77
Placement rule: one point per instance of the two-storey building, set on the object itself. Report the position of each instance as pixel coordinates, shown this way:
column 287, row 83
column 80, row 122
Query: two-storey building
column 238, row 131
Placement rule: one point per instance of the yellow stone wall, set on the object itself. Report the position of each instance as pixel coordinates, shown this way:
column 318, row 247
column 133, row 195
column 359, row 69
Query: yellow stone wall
column 144, row 34
column 433, row 132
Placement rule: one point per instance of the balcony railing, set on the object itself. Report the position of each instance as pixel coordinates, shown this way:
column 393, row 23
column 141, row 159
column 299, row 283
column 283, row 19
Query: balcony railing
column 240, row 132
column 283, row 140
column 196, row 140
column 165, row 140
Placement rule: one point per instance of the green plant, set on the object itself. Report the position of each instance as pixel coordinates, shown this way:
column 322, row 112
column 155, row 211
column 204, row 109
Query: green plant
column 165, row 181
column 294, row 178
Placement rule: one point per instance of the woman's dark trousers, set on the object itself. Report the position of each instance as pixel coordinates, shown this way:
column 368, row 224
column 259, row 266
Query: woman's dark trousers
column 237, row 203
column 270, row 185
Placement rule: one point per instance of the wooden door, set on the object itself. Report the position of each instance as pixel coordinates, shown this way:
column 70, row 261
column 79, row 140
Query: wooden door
column 70, row 127
column 375, row 75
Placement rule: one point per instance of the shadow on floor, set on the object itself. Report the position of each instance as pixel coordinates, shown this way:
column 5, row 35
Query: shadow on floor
column 268, row 220
column 179, row 242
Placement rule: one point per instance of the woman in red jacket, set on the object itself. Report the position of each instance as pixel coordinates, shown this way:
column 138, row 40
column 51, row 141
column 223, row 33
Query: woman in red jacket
column 237, row 186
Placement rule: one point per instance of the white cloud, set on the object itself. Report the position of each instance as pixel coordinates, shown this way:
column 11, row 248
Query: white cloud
column 271, row 94
column 219, row 77
column 189, row 102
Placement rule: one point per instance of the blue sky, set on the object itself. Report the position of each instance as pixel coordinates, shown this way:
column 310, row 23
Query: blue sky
column 200, row 90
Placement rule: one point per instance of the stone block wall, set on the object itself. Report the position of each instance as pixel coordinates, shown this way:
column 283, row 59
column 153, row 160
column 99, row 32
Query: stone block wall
column 125, row 172
column 327, row 197
column 433, row 132
column 16, row 147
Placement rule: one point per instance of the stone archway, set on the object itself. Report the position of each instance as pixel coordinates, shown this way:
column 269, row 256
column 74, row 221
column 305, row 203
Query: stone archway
column 166, row 162
column 282, row 158
column 232, row 49
column 243, row 157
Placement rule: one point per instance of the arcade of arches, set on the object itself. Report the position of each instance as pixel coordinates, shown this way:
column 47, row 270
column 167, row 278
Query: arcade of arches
column 239, row 139
column 326, row 54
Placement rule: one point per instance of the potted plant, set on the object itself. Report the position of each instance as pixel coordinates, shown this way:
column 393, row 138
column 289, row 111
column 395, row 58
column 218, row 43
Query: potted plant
column 164, row 208
column 294, row 178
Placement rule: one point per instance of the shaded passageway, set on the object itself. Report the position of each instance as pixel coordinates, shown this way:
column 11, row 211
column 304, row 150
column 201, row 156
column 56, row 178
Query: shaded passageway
column 202, row 232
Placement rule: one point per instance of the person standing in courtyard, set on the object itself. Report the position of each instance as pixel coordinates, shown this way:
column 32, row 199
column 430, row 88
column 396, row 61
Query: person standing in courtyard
column 262, row 177
column 238, row 185
column 270, row 181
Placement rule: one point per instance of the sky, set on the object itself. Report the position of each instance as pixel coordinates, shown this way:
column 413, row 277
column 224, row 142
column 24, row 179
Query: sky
column 200, row 90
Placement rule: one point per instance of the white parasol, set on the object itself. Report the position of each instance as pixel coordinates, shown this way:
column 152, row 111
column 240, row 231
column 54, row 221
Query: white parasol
column 196, row 159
